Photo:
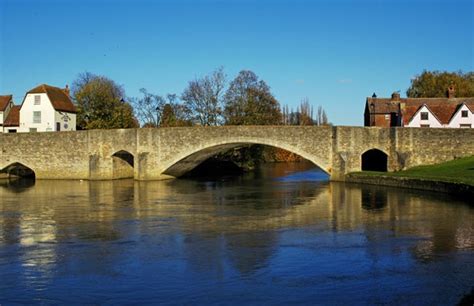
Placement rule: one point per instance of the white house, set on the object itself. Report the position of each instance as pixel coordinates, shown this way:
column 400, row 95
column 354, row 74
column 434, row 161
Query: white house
column 47, row 108
column 447, row 112
column 424, row 117
column 462, row 118
column 6, row 104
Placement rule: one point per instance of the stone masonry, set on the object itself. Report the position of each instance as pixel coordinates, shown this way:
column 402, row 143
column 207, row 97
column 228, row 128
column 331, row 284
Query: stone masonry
column 170, row 152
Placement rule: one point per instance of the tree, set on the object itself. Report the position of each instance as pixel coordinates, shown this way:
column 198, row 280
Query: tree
column 248, row 101
column 304, row 115
column 322, row 118
column 101, row 103
column 431, row 84
column 203, row 98
column 148, row 108
column 153, row 110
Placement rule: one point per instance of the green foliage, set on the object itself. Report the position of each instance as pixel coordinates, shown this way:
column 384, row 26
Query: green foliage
column 431, row 84
column 248, row 101
column 101, row 104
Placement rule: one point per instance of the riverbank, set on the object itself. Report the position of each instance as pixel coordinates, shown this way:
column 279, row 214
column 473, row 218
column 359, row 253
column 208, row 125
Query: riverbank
column 455, row 177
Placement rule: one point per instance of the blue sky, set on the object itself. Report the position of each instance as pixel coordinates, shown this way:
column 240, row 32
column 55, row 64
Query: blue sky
column 336, row 53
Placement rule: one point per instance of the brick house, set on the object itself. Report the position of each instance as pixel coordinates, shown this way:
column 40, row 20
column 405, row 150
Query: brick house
column 449, row 112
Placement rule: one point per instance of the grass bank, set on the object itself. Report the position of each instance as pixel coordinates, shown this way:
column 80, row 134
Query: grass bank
column 456, row 171
column 456, row 176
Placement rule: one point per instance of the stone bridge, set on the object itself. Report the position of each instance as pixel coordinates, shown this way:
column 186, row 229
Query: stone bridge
column 153, row 154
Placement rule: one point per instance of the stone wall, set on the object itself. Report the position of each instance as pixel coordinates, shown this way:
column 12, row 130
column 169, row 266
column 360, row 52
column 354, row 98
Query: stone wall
column 170, row 152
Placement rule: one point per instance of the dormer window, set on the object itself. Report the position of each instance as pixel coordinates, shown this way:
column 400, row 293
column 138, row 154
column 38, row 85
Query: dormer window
column 464, row 114
column 37, row 99
column 424, row 115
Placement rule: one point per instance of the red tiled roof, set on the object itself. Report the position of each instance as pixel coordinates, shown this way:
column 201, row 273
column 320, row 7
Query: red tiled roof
column 13, row 118
column 4, row 101
column 59, row 99
column 443, row 108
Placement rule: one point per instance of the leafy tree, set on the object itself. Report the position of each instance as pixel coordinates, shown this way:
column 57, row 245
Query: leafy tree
column 101, row 103
column 203, row 98
column 430, row 84
column 248, row 101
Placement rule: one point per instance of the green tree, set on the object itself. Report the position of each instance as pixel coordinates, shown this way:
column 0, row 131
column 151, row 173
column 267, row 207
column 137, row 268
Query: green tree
column 431, row 84
column 101, row 103
column 248, row 101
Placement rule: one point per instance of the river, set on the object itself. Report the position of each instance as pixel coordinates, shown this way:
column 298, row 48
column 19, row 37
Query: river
column 280, row 235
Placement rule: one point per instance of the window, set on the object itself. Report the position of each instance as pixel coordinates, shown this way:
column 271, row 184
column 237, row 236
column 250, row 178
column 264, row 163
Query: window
column 33, row 130
column 465, row 126
column 424, row 125
column 37, row 117
column 424, row 115
column 11, row 131
column 464, row 113
column 37, row 99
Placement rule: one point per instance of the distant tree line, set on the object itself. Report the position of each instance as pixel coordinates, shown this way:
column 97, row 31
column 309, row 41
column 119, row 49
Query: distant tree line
column 208, row 100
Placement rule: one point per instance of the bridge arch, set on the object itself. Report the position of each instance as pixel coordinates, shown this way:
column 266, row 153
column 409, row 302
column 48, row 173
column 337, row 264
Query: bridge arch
column 123, row 164
column 185, row 161
column 374, row 160
column 19, row 170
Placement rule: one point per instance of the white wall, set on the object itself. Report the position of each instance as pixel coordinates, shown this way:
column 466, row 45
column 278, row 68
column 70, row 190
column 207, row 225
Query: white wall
column 47, row 114
column 417, row 122
column 457, row 120
column 6, row 129
column 67, row 121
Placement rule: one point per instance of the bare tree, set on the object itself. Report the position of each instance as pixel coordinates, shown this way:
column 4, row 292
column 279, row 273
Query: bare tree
column 204, row 98
column 154, row 110
column 322, row 118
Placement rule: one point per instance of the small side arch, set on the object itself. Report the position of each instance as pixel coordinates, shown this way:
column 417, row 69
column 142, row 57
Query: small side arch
column 123, row 164
column 18, row 170
column 374, row 160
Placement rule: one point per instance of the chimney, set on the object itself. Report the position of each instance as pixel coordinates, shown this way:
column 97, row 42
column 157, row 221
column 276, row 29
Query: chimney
column 396, row 96
column 451, row 91
column 66, row 90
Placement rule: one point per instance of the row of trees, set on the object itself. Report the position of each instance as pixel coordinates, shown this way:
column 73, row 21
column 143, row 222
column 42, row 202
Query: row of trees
column 208, row 101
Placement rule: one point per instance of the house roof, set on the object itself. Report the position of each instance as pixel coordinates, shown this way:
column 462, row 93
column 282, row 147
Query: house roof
column 13, row 118
column 383, row 106
column 4, row 101
column 443, row 108
column 58, row 97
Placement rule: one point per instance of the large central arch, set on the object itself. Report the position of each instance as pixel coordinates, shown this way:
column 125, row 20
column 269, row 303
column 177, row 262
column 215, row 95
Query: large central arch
column 184, row 162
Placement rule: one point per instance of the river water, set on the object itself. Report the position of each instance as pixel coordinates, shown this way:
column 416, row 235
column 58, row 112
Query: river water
column 277, row 236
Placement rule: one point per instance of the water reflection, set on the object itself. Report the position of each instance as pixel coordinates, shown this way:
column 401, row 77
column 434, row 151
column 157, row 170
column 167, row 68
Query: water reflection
column 253, row 228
